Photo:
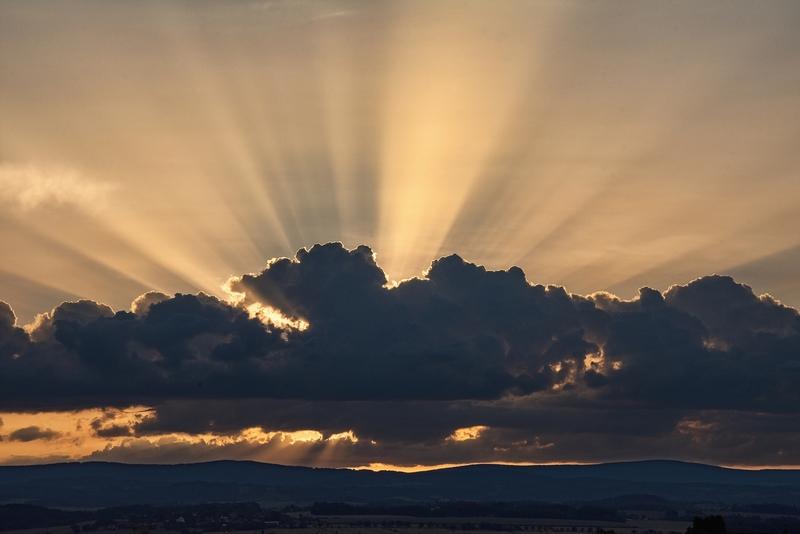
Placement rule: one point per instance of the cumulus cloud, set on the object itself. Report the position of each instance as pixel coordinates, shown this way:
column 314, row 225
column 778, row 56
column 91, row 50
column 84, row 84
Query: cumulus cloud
column 461, row 364
column 80, row 313
column 141, row 304
column 460, row 332
column 13, row 340
column 731, row 312
column 28, row 187
column 7, row 317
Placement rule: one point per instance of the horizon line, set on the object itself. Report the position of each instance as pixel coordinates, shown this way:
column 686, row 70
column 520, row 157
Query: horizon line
column 377, row 467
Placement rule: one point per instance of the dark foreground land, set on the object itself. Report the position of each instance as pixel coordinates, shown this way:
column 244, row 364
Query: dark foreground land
column 435, row 518
column 659, row 496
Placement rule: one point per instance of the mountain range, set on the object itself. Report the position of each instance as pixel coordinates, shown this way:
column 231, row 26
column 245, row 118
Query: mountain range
column 101, row 484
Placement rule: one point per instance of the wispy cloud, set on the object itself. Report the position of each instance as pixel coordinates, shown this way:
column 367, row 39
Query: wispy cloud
column 29, row 187
column 304, row 10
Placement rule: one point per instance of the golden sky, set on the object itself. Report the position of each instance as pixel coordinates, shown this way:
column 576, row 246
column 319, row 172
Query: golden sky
column 601, row 145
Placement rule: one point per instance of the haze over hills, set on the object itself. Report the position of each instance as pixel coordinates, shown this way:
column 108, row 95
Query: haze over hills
column 97, row 484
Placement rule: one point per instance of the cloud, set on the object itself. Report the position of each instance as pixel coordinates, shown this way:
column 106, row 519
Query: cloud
column 252, row 443
column 7, row 317
column 28, row 187
column 141, row 304
column 461, row 364
column 299, row 11
column 81, row 313
column 717, row 437
column 460, row 332
column 13, row 340
column 33, row 433
column 731, row 312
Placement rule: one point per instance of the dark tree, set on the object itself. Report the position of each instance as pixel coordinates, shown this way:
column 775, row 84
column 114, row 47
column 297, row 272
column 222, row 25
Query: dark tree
column 712, row 524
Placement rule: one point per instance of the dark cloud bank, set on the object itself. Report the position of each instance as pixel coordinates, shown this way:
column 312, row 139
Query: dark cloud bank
column 705, row 371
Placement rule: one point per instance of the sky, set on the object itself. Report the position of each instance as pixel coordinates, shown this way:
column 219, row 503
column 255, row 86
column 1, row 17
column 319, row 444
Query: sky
column 400, row 233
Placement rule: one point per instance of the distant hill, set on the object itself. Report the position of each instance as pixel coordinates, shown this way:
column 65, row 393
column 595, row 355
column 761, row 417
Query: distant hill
column 99, row 484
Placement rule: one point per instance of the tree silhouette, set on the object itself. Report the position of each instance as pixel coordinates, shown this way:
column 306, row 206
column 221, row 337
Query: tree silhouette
column 712, row 524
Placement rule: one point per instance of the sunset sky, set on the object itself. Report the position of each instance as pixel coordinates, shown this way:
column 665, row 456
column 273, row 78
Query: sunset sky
column 570, row 153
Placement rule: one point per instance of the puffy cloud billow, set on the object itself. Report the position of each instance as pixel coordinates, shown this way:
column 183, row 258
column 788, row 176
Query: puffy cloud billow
column 707, row 371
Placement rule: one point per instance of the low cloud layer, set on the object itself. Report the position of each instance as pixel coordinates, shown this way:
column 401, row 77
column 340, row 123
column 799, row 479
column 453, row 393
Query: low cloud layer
column 706, row 371
column 32, row 433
